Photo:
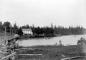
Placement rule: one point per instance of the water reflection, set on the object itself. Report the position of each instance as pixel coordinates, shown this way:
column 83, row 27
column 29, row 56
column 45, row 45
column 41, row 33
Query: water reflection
column 66, row 40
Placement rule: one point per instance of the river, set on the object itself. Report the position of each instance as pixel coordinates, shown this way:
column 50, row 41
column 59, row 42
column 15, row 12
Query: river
column 66, row 40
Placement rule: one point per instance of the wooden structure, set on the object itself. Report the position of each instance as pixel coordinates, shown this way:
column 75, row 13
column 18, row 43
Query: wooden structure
column 7, row 48
column 27, row 31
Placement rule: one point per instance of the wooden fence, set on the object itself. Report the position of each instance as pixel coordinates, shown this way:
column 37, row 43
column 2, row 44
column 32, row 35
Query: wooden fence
column 11, row 56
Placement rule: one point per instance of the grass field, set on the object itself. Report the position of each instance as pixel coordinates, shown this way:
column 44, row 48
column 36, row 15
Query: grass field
column 49, row 52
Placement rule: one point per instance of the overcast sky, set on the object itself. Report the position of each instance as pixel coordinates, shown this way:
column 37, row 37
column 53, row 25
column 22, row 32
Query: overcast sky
column 44, row 12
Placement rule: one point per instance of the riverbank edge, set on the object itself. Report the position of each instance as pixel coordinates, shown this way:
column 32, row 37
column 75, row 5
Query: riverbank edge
column 30, row 38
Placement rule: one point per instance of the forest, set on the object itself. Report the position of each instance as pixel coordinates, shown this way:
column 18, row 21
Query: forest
column 42, row 31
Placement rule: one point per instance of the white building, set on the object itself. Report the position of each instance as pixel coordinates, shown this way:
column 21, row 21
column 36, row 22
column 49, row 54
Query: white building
column 27, row 31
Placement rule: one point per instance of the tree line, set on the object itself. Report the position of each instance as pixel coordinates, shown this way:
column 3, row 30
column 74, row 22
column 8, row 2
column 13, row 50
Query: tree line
column 7, row 26
column 42, row 31
column 54, row 31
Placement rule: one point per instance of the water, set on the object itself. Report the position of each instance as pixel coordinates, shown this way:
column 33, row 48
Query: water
column 66, row 40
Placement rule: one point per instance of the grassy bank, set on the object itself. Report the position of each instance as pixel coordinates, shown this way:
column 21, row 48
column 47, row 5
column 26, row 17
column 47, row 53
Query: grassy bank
column 49, row 52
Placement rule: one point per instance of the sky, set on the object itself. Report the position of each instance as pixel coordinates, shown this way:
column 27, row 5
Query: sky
column 44, row 12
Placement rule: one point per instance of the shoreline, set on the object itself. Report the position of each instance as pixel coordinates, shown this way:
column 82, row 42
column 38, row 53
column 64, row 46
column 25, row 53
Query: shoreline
column 30, row 38
column 65, row 40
